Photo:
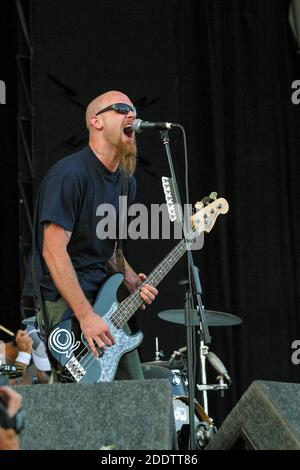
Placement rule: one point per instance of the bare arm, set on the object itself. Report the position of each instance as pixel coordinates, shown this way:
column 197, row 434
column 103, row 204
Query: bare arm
column 55, row 254
column 133, row 281
column 24, row 343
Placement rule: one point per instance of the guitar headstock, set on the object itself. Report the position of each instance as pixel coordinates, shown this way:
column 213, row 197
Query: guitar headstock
column 205, row 217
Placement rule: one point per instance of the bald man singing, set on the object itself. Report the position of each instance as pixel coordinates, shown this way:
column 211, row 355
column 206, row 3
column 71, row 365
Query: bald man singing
column 75, row 259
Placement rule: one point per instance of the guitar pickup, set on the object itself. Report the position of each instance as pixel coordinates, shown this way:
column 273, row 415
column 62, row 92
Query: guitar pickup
column 75, row 369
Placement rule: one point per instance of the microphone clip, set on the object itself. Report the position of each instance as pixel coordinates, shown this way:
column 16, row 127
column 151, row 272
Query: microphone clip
column 172, row 204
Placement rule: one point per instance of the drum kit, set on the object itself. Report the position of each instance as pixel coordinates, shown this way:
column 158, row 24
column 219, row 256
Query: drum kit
column 175, row 370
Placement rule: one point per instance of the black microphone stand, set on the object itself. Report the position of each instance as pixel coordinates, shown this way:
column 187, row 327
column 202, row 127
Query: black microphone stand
column 189, row 319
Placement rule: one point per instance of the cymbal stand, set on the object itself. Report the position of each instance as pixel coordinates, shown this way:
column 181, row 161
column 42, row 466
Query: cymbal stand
column 158, row 354
column 219, row 367
column 203, row 350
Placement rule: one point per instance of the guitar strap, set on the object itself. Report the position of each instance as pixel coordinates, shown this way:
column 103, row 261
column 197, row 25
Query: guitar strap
column 41, row 318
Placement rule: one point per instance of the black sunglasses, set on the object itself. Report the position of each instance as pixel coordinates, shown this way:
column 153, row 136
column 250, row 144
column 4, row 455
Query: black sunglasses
column 121, row 108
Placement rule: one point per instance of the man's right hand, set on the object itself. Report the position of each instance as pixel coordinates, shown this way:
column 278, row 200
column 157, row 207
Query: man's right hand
column 95, row 330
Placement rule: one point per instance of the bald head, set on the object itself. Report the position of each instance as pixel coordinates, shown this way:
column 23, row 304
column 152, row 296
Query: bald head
column 101, row 101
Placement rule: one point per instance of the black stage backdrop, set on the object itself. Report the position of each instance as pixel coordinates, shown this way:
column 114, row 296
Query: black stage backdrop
column 224, row 70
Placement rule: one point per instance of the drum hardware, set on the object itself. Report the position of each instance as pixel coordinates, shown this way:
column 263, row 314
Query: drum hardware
column 178, row 359
column 158, row 355
column 213, row 318
column 204, row 433
column 204, row 426
column 179, row 383
column 218, row 365
column 220, row 386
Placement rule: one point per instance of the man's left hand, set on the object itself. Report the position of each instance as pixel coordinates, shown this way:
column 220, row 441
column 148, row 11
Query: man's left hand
column 148, row 293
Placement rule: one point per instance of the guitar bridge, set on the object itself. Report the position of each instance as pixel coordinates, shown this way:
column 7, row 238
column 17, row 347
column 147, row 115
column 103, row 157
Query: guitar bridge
column 75, row 369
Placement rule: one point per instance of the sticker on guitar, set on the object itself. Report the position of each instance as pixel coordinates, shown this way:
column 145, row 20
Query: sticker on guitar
column 63, row 341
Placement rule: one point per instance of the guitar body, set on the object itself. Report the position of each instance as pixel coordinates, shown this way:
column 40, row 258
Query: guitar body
column 70, row 354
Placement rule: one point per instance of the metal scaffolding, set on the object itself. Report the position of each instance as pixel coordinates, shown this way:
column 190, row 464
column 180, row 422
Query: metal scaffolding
column 24, row 57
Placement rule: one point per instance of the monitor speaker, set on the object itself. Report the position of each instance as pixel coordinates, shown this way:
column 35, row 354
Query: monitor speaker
column 135, row 414
column 267, row 417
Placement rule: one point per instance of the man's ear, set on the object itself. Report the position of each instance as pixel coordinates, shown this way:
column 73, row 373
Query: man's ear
column 96, row 122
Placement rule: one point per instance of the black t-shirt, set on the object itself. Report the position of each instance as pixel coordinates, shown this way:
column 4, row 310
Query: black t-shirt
column 71, row 196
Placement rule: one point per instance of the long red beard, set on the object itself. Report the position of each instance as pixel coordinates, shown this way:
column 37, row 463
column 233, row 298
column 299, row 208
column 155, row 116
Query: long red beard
column 128, row 153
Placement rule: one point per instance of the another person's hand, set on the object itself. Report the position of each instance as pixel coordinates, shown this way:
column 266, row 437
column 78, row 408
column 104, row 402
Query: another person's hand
column 24, row 341
column 95, row 330
column 8, row 437
column 12, row 400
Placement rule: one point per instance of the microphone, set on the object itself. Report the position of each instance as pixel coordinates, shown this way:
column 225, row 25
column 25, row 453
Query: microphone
column 139, row 126
column 218, row 365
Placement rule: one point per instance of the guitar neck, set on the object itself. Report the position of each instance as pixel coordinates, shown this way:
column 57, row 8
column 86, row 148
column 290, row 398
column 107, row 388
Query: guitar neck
column 202, row 221
column 129, row 306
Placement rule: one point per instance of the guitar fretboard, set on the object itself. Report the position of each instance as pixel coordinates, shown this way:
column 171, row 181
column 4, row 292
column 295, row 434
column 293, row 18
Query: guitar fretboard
column 202, row 221
column 129, row 306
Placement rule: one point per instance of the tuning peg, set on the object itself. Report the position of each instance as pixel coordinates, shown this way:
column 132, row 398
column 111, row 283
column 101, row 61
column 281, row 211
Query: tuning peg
column 213, row 196
column 199, row 205
column 206, row 200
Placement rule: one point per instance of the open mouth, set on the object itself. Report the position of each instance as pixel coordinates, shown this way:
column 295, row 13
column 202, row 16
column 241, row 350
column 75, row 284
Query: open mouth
column 128, row 132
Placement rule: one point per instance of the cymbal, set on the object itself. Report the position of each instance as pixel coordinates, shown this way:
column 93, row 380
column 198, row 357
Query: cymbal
column 212, row 317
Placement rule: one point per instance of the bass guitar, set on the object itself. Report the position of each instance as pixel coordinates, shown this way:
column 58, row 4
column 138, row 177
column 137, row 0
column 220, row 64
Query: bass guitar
column 69, row 353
